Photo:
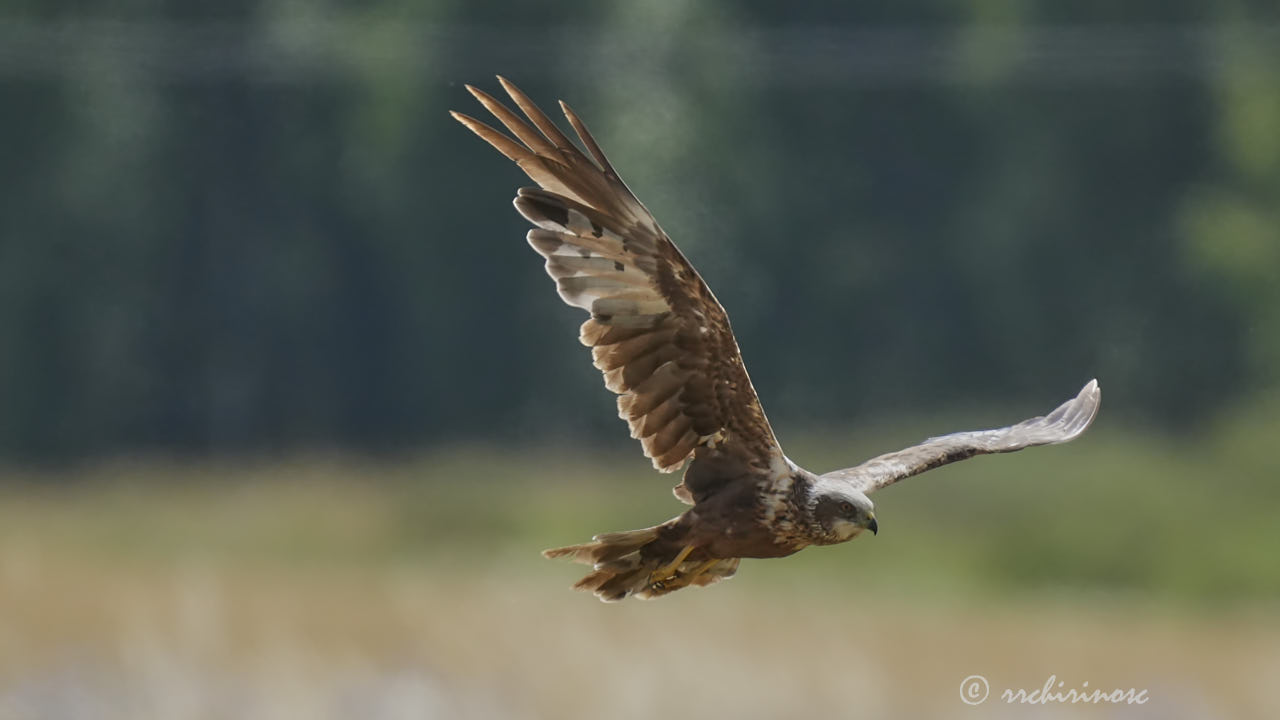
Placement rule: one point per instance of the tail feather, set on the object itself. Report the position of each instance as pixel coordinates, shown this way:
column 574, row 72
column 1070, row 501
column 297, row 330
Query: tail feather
column 606, row 547
column 620, row 569
column 612, row 586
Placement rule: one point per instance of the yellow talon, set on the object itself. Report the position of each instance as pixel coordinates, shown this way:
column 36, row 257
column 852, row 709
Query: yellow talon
column 666, row 572
column 681, row 580
column 690, row 577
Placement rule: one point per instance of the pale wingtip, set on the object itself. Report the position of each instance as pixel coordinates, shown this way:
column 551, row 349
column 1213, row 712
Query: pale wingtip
column 1089, row 400
column 1093, row 391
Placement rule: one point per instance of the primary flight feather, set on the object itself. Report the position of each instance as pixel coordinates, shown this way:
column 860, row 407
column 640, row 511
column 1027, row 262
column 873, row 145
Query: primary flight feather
column 664, row 345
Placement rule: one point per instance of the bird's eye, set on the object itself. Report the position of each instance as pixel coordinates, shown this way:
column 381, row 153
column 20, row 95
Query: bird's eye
column 846, row 507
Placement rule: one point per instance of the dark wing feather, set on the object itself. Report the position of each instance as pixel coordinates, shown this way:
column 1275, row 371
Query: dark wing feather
column 1064, row 424
column 657, row 333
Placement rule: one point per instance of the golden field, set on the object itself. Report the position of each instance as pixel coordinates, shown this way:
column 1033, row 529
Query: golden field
column 337, row 588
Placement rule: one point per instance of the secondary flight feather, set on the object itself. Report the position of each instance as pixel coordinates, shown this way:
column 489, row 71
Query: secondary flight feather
column 664, row 345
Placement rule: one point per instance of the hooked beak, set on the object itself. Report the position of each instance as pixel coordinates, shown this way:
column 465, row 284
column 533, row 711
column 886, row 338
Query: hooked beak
column 871, row 524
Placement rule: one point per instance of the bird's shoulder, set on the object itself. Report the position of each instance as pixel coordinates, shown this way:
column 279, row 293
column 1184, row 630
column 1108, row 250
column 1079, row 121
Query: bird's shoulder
column 781, row 503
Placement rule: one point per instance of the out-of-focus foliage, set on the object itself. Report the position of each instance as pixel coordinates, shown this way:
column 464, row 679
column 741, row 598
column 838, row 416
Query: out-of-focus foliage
column 1148, row 520
column 316, row 591
column 253, row 227
column 1231, row 225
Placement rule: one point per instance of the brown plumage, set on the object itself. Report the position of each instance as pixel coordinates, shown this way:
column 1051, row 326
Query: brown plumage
column 664, row 345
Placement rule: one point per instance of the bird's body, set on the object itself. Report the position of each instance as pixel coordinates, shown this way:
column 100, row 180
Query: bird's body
column 664, row 345
column 770, row 518
column 765, row 517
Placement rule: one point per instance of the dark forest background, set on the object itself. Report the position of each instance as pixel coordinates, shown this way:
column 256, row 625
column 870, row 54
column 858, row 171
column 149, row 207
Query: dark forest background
column 251, row 227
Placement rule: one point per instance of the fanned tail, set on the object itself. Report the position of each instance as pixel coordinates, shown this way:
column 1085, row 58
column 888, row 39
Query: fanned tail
column 622, row 567
column 619, row 568
column 606, row 547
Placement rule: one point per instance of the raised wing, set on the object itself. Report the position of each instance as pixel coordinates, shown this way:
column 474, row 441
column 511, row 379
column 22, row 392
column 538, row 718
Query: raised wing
column 657, row 333
column 1062, row 425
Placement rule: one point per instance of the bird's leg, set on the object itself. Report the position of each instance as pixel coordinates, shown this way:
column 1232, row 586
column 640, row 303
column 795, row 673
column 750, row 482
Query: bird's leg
column 666, row 571
column 686, row 579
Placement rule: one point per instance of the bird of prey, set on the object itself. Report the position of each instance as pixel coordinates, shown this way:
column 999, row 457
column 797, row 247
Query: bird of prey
column 665, row 347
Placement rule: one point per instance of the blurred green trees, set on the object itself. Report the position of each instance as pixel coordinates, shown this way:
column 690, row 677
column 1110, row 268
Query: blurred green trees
column 258, row 229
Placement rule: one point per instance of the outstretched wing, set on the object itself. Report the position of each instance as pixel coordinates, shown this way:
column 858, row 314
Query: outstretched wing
column 1062, row 425
column 657, row 333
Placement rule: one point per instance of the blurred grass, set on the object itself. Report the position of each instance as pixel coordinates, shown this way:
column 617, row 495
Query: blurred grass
column 1185, row 523
column 308, row 587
